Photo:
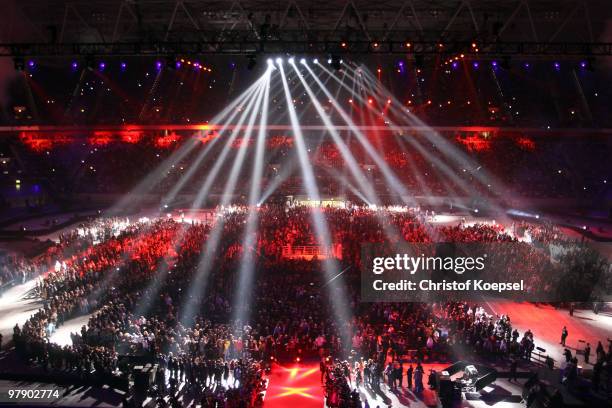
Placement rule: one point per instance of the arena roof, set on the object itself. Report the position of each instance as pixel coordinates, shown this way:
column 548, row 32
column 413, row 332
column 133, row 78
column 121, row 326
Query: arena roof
column 354, row 20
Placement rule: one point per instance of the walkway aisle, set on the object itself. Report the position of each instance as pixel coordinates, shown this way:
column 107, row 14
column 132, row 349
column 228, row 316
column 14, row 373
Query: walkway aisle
column 17, row 305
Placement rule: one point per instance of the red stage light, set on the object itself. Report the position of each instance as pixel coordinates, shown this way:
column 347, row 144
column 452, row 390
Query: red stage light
column 100, row 138
column 164, row 142
column 370, row 100
column 526, row 143
column 474, row 143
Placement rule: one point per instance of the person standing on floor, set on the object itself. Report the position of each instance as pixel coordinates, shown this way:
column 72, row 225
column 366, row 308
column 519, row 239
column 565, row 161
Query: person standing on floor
column 587, row 353
column 564, row 334
column 513, row 367
column 409, row 376
column 418, row 379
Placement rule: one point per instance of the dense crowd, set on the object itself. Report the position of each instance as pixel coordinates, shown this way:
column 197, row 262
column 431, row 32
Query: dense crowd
column 14, row 268
column 137, row 284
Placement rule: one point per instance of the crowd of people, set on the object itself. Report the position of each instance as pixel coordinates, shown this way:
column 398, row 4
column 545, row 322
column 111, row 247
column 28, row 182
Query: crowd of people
column 15, row 269
column 552, row 167
column 137, row 285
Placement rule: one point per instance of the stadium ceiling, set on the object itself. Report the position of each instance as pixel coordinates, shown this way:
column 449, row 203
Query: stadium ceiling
column 168, row 27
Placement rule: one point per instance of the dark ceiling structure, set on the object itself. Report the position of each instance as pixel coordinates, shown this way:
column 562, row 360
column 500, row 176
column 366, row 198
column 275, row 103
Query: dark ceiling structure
column 536, row 28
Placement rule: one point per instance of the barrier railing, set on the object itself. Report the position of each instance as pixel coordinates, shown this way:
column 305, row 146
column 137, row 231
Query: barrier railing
column 305, row 251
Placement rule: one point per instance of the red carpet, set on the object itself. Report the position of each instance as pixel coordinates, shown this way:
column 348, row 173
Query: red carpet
column 294, row 386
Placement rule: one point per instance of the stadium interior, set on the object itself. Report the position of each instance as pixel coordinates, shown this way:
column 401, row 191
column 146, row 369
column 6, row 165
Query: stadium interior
column 193, row 193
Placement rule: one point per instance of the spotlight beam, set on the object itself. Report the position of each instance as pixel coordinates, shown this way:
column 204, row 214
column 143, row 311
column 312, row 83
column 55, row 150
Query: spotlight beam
column 344, row 150
column 195, row 165
column 372, row 198
column 155, row 176
column 156, row 284
column 441, row 166
column 389, row 175
column 207, row 256
column 220, row 161
column 243, row 293
column 453, row 154
column 345, row 181
column 239, row 161
column 278, row 180
column 336, row 291
column 451, row 174
column 211, row 177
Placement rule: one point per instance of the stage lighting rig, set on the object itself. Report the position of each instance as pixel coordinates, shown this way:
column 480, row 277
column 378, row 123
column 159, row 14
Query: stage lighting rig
column 587, row 64
column 335, row 62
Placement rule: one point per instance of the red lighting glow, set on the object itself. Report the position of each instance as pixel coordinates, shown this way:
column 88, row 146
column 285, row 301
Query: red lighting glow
column 242, row 141
column 474, row 143
column 279, row 141
column 101, row 138
column 40, row 142
column 130, row 136
column 207, row 137
column 296, row 386
column 526, row 143
column 164, row 142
